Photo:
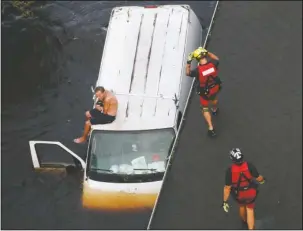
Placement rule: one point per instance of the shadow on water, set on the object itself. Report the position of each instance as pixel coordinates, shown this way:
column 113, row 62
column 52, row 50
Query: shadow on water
column 49, row 61
column 33, row 56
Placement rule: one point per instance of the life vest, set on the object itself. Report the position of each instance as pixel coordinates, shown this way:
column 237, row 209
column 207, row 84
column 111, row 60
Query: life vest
column 207, row 79
column 207, row 74
column 243, row 187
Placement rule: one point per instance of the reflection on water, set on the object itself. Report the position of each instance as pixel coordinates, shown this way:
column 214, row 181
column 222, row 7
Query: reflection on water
column 31, row 54
column 49, row 62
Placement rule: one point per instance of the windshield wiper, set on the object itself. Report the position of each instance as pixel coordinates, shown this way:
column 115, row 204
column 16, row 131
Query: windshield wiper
column 101, row 169
column 151, row 169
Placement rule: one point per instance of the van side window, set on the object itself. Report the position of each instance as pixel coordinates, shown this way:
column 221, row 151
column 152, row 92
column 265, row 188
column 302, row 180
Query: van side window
column 179, row 119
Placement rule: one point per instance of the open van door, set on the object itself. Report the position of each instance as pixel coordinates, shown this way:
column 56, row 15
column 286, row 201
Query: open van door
column 53, row 156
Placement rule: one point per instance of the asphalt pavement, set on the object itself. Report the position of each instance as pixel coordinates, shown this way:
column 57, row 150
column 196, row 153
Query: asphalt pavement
column 259, row 44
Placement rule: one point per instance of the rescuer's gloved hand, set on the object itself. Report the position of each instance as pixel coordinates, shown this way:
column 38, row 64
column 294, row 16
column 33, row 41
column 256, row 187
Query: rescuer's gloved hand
column 262, row 182
column 202, row 50
column 225, row 206
column 190, row 58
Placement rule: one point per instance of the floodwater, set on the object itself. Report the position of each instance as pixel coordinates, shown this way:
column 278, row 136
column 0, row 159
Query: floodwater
column 49, row 62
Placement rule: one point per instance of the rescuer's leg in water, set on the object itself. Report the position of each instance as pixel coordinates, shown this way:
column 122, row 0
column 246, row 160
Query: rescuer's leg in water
column 214, row 108
column 250, row 217
column 243, row 216
column 213, row 98
column 204, row 102
column 242, row 213
column 207, row 116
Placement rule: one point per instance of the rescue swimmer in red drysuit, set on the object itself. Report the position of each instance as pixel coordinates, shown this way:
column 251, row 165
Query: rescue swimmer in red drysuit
column 209, row 84
column 242, row 180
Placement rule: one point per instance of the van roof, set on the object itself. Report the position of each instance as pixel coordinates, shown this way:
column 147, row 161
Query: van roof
column 142, row 64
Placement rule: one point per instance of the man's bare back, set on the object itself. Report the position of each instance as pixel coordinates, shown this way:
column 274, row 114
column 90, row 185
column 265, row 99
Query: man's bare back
column 110, row 104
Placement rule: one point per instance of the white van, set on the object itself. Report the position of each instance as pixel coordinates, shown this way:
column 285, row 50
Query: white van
column 143, row 63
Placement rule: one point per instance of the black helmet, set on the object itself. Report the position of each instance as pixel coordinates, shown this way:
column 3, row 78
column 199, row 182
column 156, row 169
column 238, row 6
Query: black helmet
column 236, row 155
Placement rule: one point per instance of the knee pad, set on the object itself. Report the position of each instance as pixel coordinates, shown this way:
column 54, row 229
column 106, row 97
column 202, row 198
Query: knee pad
column 205, row 109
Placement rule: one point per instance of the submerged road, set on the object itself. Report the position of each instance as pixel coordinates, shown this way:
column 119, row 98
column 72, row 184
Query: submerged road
column 260, row 47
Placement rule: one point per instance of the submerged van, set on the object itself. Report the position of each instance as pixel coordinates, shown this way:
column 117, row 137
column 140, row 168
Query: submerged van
column 143, row 64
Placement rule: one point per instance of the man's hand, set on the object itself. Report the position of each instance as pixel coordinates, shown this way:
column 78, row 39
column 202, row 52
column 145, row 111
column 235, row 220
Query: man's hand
column 225, row 206
column 99, row 108
column 88, row 115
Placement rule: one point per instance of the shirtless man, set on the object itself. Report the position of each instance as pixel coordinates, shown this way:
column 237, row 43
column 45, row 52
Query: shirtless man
column 104, row 112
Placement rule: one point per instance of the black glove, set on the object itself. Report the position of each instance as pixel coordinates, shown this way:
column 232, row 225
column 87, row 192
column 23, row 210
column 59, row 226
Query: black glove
column 100, row 103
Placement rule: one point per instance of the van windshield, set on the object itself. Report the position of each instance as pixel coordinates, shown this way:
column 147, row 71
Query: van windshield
column 129, row 156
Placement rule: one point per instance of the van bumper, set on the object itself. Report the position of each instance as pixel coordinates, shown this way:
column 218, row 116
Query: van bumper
column 96, row 198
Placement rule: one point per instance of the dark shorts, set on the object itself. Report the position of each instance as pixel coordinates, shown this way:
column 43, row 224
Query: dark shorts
column 100, row 118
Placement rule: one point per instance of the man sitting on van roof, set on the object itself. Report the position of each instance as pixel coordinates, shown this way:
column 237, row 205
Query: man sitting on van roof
column 104, row 112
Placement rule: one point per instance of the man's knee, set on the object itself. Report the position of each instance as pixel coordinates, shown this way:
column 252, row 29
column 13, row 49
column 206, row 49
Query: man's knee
column 87, row 114
column 88, row 123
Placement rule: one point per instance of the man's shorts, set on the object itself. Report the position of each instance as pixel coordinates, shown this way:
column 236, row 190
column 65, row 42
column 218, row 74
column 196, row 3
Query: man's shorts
column 212, row 96
column 251, row 205
column 100, row 118
column 249, row 196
